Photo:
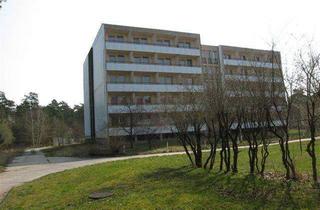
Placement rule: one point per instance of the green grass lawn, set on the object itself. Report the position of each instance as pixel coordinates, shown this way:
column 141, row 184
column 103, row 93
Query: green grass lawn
column 168, row 183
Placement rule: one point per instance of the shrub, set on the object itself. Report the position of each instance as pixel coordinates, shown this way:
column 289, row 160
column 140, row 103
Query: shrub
column 6, row 135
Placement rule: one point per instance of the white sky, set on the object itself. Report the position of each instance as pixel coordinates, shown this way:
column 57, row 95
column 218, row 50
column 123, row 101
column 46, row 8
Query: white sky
column 43, row 43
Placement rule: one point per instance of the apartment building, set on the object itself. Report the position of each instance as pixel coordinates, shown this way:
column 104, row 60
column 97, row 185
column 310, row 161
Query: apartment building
column 130, row 68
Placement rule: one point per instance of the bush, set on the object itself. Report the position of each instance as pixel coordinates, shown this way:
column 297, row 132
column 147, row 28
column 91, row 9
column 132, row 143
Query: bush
column 6, row 135
column 116, row 145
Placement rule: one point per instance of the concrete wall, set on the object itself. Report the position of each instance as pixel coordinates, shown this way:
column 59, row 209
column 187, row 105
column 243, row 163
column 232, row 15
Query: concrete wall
column 100, row 84
column 87, row 129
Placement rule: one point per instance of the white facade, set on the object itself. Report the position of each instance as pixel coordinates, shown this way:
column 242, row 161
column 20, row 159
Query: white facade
column 98, row 92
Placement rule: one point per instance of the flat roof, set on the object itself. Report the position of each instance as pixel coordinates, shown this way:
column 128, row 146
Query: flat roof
column 195, row 35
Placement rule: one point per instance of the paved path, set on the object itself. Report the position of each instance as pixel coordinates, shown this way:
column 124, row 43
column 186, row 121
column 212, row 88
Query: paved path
column 33, row 164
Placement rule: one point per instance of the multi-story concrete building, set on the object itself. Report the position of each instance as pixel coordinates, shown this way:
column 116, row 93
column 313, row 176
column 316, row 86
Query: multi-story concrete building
column 148, row 68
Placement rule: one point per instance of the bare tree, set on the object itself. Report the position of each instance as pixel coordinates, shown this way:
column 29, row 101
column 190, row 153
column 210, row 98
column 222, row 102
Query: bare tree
column 130, row 117
column 222, row 121
column 308, row 65
column 278, row 118
column 187, row 117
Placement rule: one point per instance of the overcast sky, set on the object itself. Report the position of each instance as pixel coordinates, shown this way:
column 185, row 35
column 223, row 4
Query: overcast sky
column 43, row 43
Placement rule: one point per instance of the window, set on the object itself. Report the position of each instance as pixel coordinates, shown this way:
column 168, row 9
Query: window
column 114, row 120
column 184, row 44
column 189, row 62
column 147, row 99
column 117, row 58
column 163, row 42
column 139, row 100
column 143, row 100
column 142, row 79
column 188, row 81
column 137, row 59
column 116, row 38
column 143, row 59
column 204, row 60
column 227, row 56
column 136, row 40
column 113, row 79
column 257, row 58
column 121, row 79
column 164, row 61
column 186, row 62
column 121, row 59
column 112, row 58
column 122, row 100
column 117, row 79
column 163, row 99
column 146, row 79
column 244, row 72
column 140, row 40
column 165, row 80
column 114, row 100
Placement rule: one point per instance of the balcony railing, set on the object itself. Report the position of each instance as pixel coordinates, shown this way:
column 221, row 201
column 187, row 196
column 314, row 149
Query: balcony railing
column 153, row 83
column 250, row 63
column 157, row 44
column 151, row 63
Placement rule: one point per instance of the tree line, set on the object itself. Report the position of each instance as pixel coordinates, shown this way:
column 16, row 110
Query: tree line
column 30, row 124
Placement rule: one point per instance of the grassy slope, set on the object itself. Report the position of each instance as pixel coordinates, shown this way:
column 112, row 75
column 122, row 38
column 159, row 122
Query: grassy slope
column 166, row 182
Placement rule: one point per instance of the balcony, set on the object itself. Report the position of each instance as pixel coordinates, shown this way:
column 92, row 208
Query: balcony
column 151, row 87
column 142, row 130
column 249, row 63
column 152, row 48
column 253, row 78
column 148, row 108
column 152, row 67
